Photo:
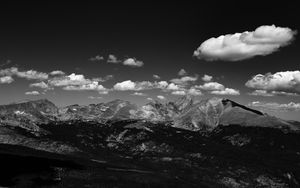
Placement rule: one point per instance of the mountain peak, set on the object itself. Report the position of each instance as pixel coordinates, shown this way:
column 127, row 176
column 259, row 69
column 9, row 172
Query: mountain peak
column 183, row 102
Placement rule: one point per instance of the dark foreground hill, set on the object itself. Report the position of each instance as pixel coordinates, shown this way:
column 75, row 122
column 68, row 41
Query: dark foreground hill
column 211, row 143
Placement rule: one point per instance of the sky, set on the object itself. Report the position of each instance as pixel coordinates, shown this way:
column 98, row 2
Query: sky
column 81, row 53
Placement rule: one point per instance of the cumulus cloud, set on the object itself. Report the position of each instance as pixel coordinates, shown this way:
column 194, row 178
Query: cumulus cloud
column 139, row 94
column 113, row 59
column 217, row 89
column 129, row 85
column 29, row 74
column 97, row 58
column 173, row 86
column 194, row 91
column 42, row 85
column 178, row 92
column 32, row 93
column 133, row 62
column 93, row 86
column 155, row 76
column 226, row 91
column 72, row 79
column 125, row 85
column 210, row 86
column 207, row 78
column 288, row 82
column 185, row 80
column 6, row 80
column 149, row 99
column 57, row 73
column 273, row 106
column 161, row 97
column 182, row 72
column 234, row 47
column 77, row 82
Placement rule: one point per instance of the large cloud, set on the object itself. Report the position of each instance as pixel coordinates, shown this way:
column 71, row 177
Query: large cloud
column 234, row 47
column 273, row 106
column 280, row 82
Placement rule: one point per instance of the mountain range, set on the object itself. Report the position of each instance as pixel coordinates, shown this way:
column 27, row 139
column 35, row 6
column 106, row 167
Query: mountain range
column 213, row 142
column 183, row 113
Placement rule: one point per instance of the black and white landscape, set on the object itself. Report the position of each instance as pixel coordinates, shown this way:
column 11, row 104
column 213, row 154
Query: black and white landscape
column 142, row 94
column 185, row 143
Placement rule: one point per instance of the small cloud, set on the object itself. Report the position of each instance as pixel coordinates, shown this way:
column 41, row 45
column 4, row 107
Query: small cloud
column 194, row 92
column 57, row 73
column 161, row 97
column 96, row 58
column 6, row 80
column 155, row 76
column 263, row 93
column 217, row 89
column 173, row 86
column 103, row 79
column 207, row 78
column 182, row 72
column 92, row 97
column 139, row 94
column 133, row 62
column 185, row 80
column 32, row 93
column 129, row 85
column 178, row 92
column 125, row 85
column 149, row 99
column 226, row 91
column 210, row 86
column 113, row 59
column 42, row 85
column 239, row 46
column 94, row 86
